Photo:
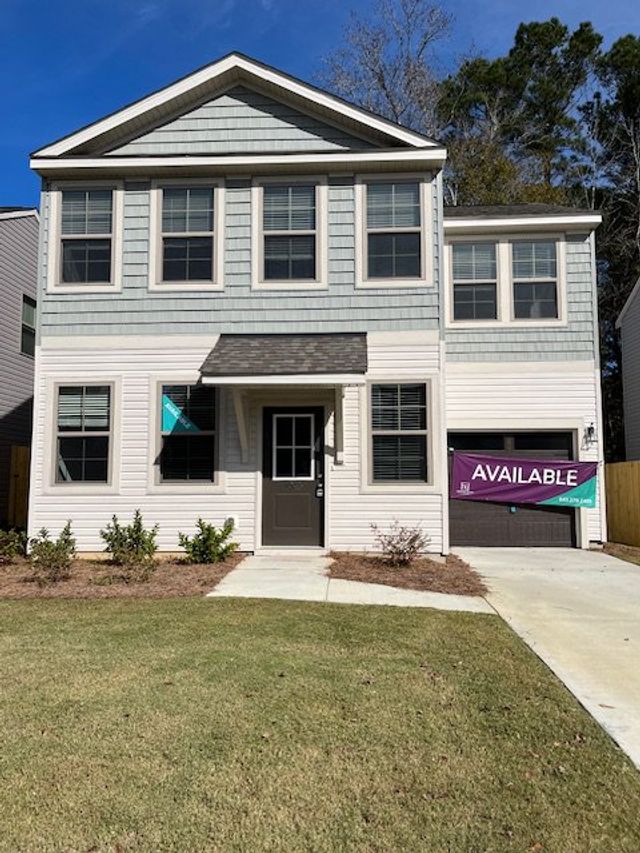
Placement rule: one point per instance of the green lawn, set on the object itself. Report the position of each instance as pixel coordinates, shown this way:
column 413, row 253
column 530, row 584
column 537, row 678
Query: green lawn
column 187, row 724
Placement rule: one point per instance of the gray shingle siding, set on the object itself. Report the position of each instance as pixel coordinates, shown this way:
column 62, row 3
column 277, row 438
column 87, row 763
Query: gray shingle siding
column 242, row 122
column 18, row 277
column 238, row 308
column 573, row 342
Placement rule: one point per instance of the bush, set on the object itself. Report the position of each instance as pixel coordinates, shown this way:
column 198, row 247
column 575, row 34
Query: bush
column 51, row 558
column 210, row 544
column 132, row 547
column 13, row 543
column 401, row 545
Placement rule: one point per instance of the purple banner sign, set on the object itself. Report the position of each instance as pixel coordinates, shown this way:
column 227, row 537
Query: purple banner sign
column 476, row 477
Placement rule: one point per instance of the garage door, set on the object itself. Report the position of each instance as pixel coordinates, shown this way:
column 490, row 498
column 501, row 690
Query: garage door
column 516, row 525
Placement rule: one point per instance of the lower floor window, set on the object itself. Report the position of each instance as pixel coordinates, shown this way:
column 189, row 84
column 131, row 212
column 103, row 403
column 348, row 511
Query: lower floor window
column 188, row 433
column 83, row 428
column 399, row 432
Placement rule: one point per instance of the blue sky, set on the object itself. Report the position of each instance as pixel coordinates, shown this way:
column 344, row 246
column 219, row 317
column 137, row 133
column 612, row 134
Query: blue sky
column 64, row 63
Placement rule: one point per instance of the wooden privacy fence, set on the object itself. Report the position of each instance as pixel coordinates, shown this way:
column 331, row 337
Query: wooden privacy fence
column 18, row 486
column 623, row 502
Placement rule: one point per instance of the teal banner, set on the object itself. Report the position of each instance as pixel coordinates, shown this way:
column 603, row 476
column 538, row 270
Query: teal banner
column 174, row 419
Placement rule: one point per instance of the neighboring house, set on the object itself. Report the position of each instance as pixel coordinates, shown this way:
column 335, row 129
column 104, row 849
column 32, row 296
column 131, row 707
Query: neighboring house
column 629, row 325
column 18, row 285
column 253, row 304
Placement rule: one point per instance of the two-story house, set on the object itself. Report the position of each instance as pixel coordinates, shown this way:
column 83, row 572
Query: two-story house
column 18, row 284
column 253, row 304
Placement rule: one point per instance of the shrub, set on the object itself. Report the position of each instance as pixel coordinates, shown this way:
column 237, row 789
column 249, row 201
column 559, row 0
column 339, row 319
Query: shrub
column 132, row 547
column 13, row 543
column 51, row 558
column 210, row 544
column 400, row 545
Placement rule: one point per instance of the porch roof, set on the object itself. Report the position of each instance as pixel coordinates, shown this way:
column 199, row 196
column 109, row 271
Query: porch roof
column 323, row 358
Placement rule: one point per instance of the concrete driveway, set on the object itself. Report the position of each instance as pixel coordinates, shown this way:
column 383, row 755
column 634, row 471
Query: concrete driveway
column 580, row 612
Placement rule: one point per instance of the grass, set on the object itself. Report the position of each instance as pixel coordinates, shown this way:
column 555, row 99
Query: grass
column 629, row 553
column 184, row 724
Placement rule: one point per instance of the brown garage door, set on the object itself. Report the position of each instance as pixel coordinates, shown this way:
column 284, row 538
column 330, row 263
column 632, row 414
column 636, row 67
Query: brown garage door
column 518, row 525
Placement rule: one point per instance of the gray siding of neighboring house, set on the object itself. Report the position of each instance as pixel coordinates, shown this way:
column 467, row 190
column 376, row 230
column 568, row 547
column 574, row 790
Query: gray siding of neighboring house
column 18, row 277
column 573, row 342
column 630, row 331
column 239, row 308
column 241, row 122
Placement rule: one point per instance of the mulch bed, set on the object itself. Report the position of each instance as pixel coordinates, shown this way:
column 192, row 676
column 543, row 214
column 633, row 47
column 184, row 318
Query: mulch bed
column 630, row 553
column 450, row 576
column 99, row 579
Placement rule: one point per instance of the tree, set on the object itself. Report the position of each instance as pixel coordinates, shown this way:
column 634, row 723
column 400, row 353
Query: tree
column 385, row 63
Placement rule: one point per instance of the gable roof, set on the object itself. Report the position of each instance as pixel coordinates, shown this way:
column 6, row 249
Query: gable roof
column 17, row 212
column 169, row 101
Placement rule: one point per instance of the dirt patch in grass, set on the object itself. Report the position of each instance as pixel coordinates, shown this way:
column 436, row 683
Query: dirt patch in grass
column 99, row 579
column 450, row 576
column 629, row 553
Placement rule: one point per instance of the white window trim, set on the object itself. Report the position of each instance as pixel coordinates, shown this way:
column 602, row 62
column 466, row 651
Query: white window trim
column 257, row 235
column 432, row 485
column 505, row 296
column 426, row 278
column 55, row 236
column 186, row 487
column 155, row 236
column 112, row 486
column 274, row 448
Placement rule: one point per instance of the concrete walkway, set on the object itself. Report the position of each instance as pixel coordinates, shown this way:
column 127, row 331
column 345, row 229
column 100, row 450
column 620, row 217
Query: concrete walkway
column 303, row 577
column 580, row 612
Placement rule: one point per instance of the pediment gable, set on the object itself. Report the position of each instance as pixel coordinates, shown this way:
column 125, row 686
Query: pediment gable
column 268, row 107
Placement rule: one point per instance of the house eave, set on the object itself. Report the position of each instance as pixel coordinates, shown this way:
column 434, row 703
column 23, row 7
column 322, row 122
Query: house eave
column 507, row 223
column 372, row 160
column 324, row 380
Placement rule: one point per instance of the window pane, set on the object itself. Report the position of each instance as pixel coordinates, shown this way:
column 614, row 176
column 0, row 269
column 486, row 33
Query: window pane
column 187, row 259
column 399, row 457
column 302, row 458
column 385, row 412
column 284, row 462
column 29, row 312
column 413, row 407
column 187, row 457
column 303, row 431
column 474, row 302
column 393, row 205
column 84, row 408
column 289, row 208
column 535, row 300
column 284, row 432
column 289, row 258
column 28, row 341
column 86, row 211
column 534, row 259
column 86, row 261
column 394, row 255
column 83, row 460
column 474, row 261
column 187, row 209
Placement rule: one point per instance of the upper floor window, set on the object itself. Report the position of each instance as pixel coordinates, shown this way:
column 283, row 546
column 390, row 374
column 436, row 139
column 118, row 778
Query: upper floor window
column 393, row 230
column 187, row 234
column 28, row 334
column 535, row 279
column 83, row 428
column 289, row 232
column 475, row 281
column 87, row 231
column 399, row 432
